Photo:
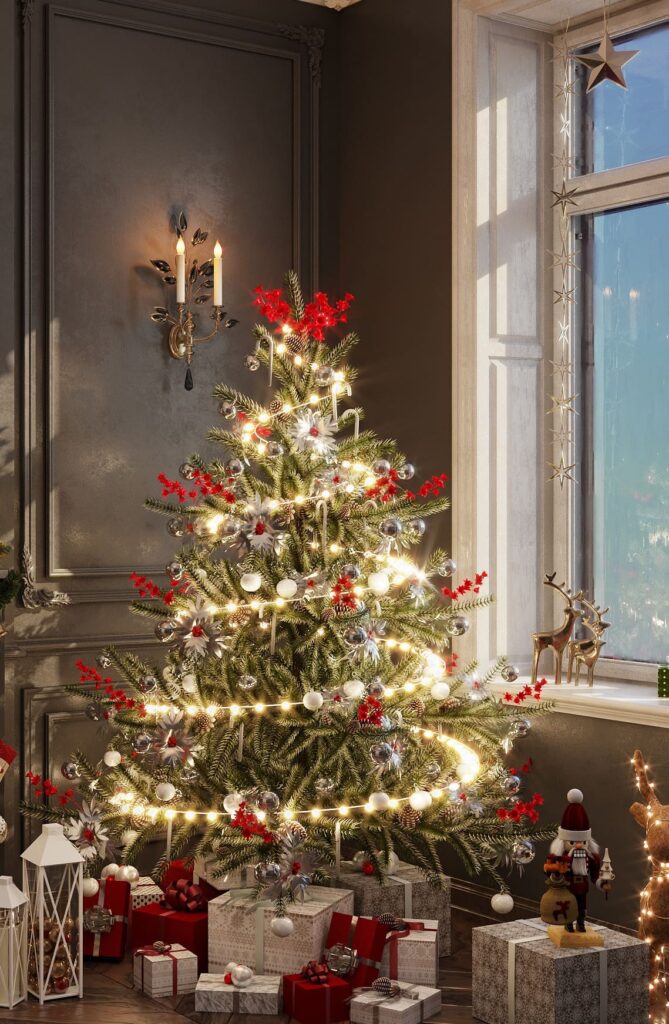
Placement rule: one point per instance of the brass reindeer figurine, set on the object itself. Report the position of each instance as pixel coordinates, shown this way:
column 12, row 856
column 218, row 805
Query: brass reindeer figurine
column 585, row 652
column 556, row 639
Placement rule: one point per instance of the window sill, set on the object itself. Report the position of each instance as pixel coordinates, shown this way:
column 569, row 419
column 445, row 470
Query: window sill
column 637, row 703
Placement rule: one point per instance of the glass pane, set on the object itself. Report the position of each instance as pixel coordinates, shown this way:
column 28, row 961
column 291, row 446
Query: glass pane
column 630, row 421
column 625, row 126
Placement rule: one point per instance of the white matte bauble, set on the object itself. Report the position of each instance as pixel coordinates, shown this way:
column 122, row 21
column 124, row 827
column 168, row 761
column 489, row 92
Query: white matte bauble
column 378, row 583
column 231, row 802
column 90, row 887
column 112, row 758
column 109, row 871
column 502, row 903
column 354, row 688
column 165, row 791
column 230, row 966
column 313, row 700
column 250, row 582
column 282, row 927
column 286, row 589
column 241, row 976
column 126, row 873
column 440, row 691
column 379, row 801
column 420, row 800
column 189, row 683
column 574, row 796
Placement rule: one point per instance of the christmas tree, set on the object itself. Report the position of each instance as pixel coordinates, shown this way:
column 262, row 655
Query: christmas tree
column 311, row 694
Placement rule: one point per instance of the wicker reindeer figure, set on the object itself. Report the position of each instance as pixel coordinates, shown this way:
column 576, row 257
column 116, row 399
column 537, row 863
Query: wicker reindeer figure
column 654, row 920
column 585, row 652
column 558, row 638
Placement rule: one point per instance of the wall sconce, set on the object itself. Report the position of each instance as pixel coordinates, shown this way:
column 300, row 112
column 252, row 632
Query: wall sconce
column 193, row 281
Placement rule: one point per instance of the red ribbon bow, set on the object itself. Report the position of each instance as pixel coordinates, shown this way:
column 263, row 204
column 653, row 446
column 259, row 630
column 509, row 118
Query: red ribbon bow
column 316, row 973
column 181, row 894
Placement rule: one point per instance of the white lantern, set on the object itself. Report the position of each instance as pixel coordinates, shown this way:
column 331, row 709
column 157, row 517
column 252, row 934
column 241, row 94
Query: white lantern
column 52, row 881
column 13, row 931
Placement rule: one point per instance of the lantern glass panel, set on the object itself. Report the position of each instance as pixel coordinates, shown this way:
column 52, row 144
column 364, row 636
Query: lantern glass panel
column 13, row 923
column 53, row 930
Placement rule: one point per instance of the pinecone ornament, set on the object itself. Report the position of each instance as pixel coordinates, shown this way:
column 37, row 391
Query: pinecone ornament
column 275, row 407
column 417, row 707
column 344, row 513
column 407, row 817
column 327, row 614
column 385, row 987
column 240, row 618
column 294, row 344
column 202, row 722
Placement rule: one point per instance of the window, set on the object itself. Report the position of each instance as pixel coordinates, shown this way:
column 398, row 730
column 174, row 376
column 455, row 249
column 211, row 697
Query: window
column 622, row 321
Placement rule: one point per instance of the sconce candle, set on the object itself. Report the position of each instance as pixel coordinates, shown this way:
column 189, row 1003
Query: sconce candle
column 218, row 275
column 181, row 270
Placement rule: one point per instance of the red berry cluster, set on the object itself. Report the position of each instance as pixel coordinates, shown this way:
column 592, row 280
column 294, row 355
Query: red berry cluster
column 45, row 787
column 385, row 488
column 522, row 809
column 116, row 695
column 368, row 868
column 451, row 662
column 201, row 485
column 525, row 693
column 465, row 587
column 431, row 487
column 342, row 593
column 249, row 825
column 370, row 711
column 319, row 314
column 147, row 588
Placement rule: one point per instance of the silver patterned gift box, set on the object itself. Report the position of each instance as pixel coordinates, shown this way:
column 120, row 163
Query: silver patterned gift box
column 414, row 957
column 239, row 930
column 405, row 893
column 144, row 891
column 520, row 977
column 262, row 996
column 417, row 1003
column 171, row 973
column 206, row 869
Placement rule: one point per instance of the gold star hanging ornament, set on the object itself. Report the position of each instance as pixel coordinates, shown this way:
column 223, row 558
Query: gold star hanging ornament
column 565, row 197
column 606, row 63
column 561, row 471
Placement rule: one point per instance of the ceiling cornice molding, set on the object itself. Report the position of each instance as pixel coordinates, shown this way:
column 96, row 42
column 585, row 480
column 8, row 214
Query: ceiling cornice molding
column 333, row 5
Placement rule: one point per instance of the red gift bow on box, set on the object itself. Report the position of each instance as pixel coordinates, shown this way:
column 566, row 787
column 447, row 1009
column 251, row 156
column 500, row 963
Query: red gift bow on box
column 162, row 949
column 364, row 935
column 181, row 894
column 317, row 974
column 399, row 929
column 104, row 919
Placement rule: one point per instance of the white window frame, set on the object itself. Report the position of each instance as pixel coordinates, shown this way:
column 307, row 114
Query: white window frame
column 487, row 454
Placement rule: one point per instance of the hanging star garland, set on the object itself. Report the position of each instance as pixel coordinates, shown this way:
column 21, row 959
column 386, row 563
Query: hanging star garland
column 565, row 197
column 606, row 64
column 561, row 471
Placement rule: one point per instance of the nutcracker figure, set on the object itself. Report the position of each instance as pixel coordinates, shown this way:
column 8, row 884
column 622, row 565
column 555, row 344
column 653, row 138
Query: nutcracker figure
column 581, row 858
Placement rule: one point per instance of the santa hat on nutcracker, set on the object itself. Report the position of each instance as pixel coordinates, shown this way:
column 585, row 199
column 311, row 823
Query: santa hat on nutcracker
column 575, row 825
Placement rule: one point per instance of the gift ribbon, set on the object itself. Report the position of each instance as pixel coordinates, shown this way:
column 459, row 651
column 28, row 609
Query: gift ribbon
column 366, row 961
column 117, row 919
column 377, row 1006
column 392, row 939
column 248, row 898
column 408, row 893
column 165, row 951
column 543, row 929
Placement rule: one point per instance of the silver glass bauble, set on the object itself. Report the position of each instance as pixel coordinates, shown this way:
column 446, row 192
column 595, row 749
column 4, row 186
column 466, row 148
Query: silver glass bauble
column 447, row 568
column 391, row 527
column 175, row 527
column 174, row 570
column 355, row 636
column 165, row 630
column 324, row 376
column 70, row 770
column 228, row 409
column 252, row 363
column 147, row 684
column 103, row 661
column 187, row 470
column 375, row 686
column 247, row 682
column 351, row 570
column 510, row 673
column 511, row 785
column 523, row 852
column 234, row 467
column 417, row 527
column 267, row 872
column 274, row 449
column 141, row 742
column 520, row 728
column 325, row 784
column 268, row 801
column 94, row 711
column 406, row 472
column 381, row 753
column 381, row 467
column 457, row 626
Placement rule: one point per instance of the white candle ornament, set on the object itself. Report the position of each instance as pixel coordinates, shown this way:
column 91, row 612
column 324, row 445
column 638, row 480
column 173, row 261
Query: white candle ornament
column 218, row 275
column 181, row 270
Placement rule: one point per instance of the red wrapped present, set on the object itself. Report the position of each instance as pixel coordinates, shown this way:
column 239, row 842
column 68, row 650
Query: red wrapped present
column 364, row 936
column 175, row 870
column 183, row 895
column 158, row 923
column 7, row 755
column 106, row 920
column 308, row 1002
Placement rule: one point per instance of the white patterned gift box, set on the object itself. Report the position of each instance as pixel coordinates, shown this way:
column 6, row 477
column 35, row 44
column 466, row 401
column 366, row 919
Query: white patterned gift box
column 144, row 891
column 205, row 869
column 414, row 957
column 520, row 977
column 262, row 996
column 165, row 974
column 406, row 893
column 416, row 1003
column 239, row 930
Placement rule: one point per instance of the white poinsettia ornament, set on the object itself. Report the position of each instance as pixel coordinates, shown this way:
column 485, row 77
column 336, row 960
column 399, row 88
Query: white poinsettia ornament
column 197, row 632
column 259, row 527
column 313, row 432
column 88, row 832
column 172, row 741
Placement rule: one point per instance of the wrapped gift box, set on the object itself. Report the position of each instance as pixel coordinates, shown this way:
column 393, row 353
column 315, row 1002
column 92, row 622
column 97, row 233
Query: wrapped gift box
column 262, row 996
column 7, row 755
column 239, row 930
column 144, row 892
column 412, row 955
column 405, row 893
column 416, row 1003
column 158, row 923
column 159, row 973
column 307, row 1002
column 364, row 935
column 520, row 977
column 205, row 871
column 106, row 920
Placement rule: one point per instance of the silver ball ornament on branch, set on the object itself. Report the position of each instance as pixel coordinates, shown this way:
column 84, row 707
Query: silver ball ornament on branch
column 268, row 801
column 70, row 770
column 141, row 742
column 325, row 785
column 252, row 363
column 103, row 661
column 267, row 872
column 381, row 753
column 523, row 852
column 391, row 527
column 231, row 802
column 250, row 582
column 511, row 785
column 274, row 449
column 417, row 527
column 165, row 791
column 228, row 409
column 94, row 711
column 457, row 625
column 165, row 631
column 188, row 470
column 406, row 471
column 375, row 686
column 380, row 467
column 351, row 570
column 234, row 467
column 324, row 376
column 175, row 527
column 174, row 570
column 148, row 683
column 447, row 568
column 355, row 636
column 520, row 728
column 247, row 682
column 510, row 673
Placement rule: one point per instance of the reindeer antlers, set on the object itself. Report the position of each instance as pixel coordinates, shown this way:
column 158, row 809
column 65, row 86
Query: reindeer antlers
column 596, row 624
column 562, row 589
column 646, row 788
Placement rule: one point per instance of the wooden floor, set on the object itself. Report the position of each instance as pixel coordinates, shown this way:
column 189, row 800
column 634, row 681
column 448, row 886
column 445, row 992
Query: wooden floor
column 110, row 998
